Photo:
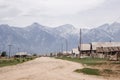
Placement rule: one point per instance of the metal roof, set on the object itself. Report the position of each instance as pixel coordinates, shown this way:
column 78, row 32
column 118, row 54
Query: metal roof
column 85, row 47
column 104, row 44
column 108, row 49
column 21, row 53
column 75, row 50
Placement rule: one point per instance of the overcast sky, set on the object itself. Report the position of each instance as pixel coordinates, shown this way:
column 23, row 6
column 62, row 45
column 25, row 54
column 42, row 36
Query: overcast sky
column 53, row 13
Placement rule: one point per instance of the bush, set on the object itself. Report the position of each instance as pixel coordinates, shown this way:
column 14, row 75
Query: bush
column 23, row 60
column 18, row 60
column 34, row 54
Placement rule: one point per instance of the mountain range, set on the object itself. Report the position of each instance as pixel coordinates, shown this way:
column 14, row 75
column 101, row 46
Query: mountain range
column 41, row 39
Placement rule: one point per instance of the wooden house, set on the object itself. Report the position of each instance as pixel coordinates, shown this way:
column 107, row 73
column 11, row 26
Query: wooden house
column 85, row 50
column 110, row 50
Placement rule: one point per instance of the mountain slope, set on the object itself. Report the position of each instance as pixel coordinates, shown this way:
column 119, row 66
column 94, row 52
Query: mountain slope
column 37, row 38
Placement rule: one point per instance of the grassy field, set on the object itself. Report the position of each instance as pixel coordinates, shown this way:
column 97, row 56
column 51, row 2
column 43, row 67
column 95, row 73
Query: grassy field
column 96, row 66
column 13, row 61
column 91, row 71
column 88, row 71
column 87, row 61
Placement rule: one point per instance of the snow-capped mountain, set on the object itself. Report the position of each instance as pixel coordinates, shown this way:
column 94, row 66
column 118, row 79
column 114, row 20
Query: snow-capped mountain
column 37, row 38
column 66, row 30
column 106, row 32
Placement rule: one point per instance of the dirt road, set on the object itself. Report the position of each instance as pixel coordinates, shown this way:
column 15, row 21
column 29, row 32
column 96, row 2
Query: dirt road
column 45, row 68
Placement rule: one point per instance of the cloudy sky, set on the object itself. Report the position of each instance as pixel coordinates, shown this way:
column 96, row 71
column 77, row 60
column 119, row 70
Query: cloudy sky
column 80, row 13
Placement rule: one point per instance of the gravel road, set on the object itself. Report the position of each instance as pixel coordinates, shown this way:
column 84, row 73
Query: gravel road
column 45, row 68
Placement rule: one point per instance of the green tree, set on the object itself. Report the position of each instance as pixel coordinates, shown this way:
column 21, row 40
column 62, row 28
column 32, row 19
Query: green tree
column 51, row 54
column 34, row 54
column 3, row 54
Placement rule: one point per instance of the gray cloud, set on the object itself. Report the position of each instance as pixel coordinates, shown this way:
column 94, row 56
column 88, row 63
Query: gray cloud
column 9, row 12
column 81, row 13
column 4, row 6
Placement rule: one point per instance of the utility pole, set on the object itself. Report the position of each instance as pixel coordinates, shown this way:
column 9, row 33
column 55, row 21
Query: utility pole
column 18, row 49
column 9, row 50
column 61, row 47
column 80, row 41
column 66, row 45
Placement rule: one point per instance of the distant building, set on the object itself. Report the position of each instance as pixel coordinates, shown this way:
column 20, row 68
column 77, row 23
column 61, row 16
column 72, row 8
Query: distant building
column 22, row 54
column 75, row 52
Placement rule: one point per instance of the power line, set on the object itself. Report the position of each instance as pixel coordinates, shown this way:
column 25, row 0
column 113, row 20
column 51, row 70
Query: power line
column 80, row 41
column 18, row 49
column 66, row 45
column 9, row 50
column 62, row 47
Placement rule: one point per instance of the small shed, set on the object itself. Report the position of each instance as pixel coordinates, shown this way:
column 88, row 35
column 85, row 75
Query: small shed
column 75, row 52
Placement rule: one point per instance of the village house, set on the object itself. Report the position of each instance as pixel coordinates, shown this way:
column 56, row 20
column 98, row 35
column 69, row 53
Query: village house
column 85, row 50
column 109, row 50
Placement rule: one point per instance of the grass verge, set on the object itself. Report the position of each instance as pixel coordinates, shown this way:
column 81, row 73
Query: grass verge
column 88, row 71
column 91, row 71
column 87, row 61
column 96, row 66
column 13, row 61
